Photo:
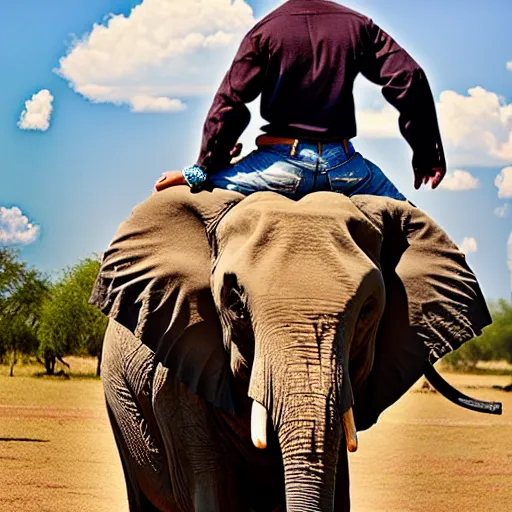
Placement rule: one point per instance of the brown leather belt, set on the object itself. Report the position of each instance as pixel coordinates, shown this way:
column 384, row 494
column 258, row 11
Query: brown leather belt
column 270, row 140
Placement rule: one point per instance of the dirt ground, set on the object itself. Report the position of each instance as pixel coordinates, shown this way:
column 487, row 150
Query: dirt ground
column 57, row 453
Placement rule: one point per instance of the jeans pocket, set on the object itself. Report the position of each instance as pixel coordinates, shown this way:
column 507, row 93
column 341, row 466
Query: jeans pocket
column 349, row 176
column 260, row 171
column 281, row 178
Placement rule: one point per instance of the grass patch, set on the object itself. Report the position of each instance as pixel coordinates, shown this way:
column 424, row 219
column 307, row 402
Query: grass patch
column 80, row 368
column 477, row 370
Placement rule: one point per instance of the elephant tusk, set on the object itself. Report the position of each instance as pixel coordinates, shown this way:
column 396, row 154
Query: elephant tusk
column 349, row 427
column 259, row 425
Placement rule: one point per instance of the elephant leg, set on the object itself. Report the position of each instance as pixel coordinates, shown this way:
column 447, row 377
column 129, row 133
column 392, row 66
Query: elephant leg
column 127, row 369
column 137, row 500
column 202, row 474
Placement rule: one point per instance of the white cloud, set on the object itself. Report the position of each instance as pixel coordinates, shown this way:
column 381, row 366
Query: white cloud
column 15, row 228
column 509, row 257
column 504, row 183
column 509, row 65
column 38, row 111
column 468, row 246
column 460, row 180
column 149, row 104
column 162, row 52
column 478, row 125
column 476, row 128
column 381, row 123
column 375, row 118
column 501, row 211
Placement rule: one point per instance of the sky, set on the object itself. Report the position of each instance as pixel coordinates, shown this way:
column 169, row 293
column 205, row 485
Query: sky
column 99, row 97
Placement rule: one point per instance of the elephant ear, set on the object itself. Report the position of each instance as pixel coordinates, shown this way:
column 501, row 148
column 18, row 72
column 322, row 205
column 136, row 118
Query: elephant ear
column 155, row 281
column 433, row 302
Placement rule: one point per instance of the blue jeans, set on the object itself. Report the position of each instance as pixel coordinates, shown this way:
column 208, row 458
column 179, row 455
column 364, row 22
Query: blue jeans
column 272, row 168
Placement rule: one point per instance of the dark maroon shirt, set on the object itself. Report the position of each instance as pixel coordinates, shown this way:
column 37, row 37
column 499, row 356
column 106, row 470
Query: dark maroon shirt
column 303, row 59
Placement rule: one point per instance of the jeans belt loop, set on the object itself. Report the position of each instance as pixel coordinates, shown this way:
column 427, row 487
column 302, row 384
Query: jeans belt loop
column 295, row 145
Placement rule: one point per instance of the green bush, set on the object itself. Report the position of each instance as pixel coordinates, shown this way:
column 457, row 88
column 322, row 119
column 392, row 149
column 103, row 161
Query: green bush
column 69, row 324
column 495, row 343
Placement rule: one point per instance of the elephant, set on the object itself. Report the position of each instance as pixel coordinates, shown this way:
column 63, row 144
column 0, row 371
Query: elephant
column 251, row 337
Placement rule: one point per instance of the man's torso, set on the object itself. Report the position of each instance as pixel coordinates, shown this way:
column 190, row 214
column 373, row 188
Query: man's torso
column 313, row 48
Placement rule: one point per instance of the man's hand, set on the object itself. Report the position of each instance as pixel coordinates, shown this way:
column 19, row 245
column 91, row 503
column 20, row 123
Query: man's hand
column 169, row 179
column 434, row 174
column 172, row 178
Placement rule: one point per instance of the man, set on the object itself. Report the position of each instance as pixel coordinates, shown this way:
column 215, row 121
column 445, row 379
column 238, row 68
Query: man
column 303, row 59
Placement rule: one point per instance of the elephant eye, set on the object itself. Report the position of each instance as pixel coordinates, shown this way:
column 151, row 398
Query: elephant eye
column 368, row 309
column 232, row 296
column 236, row 303
column 236, row 319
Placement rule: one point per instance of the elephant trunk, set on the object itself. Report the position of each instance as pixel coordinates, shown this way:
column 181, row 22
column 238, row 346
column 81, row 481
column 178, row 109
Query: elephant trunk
column 310, row 447
column 305, row 389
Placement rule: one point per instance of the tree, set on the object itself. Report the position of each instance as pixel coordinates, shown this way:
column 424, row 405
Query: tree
column 499, row 333
column 69, row 324
column 22, row 292
column 494, row 344
column 11, row 271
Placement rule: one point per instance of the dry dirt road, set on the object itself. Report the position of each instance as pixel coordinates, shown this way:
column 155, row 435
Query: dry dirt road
column 57, row 453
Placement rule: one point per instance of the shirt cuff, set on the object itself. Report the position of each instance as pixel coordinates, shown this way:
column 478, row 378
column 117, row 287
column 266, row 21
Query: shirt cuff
column 429, row 158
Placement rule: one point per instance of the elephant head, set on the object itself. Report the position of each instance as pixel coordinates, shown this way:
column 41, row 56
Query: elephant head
column 300, row 295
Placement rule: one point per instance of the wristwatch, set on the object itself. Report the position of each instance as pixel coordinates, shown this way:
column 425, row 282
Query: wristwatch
column 195, row 176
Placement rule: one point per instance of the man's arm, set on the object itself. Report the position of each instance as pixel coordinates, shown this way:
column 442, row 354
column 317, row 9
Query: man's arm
column 228, row 116
column 405, row 86
column 227, row 119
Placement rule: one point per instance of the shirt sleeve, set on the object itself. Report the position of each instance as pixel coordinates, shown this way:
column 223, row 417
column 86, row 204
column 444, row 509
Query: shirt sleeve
column 228, row 116
column 405, row 86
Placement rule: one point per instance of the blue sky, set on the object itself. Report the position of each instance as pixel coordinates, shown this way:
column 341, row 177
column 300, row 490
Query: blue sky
column 119, row 117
